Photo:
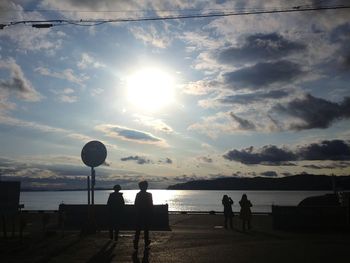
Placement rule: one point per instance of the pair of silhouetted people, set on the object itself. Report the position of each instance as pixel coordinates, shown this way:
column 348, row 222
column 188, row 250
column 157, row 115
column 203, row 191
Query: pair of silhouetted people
column 143, row 209
column 245, row 213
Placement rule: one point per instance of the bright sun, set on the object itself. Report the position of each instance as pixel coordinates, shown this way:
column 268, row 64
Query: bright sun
column 150, row 89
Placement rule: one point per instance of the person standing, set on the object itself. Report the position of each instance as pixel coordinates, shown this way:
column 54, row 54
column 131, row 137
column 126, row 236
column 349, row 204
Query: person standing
column 245, row 213
column 228, row 213
column 115, row 205
column 144, row 211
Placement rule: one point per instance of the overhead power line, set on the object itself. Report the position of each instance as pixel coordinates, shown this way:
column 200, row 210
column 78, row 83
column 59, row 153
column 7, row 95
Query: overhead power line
column 94, row 22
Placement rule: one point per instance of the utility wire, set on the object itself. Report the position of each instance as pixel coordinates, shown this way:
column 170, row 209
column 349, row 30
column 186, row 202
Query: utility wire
column 92, row 22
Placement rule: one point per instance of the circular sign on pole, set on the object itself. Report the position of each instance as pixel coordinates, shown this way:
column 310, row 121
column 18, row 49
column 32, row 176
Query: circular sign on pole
column 94, row 153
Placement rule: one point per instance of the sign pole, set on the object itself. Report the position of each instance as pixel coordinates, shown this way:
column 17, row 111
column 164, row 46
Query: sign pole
column 92, row 185
column 88, row 189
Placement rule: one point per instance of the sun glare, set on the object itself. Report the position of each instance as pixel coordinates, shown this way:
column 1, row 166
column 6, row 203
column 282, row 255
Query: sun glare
column 150, row 89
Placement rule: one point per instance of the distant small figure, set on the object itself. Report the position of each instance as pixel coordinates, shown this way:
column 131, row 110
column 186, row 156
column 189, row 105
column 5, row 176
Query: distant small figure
column 228, row 213
column 115, row 205
column 144, row 210
column 245, row 213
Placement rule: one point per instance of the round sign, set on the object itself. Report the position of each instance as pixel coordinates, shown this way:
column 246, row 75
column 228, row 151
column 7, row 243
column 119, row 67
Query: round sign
column 94, row 153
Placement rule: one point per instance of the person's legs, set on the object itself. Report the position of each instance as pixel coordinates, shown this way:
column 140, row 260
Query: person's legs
column 231, row 225
column 116, row 233
column 225, row 221
column 137, row 237
column 111, row 232
column 146, row 236
column 243, row 224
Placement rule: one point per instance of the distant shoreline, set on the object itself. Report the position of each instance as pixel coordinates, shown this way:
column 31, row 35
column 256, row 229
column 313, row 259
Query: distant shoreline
column 301, row 182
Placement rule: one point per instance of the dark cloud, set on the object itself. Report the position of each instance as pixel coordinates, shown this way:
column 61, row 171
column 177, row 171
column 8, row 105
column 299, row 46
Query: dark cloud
column 325, row 150
column 341, row 165
column 137, row 159
column 168, row 160
column 260, row 47
column 341, row 36
column 314, row 112
column 266, row 154
column 336, row 150
column 340, row 33
column 269, row 174
column 263, row 74
column 254, row 97
column 242, row 123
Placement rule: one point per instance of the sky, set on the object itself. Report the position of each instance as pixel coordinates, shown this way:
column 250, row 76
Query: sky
column 173, row 100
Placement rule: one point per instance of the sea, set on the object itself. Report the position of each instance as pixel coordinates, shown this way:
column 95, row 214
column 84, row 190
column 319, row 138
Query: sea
column 178, row 200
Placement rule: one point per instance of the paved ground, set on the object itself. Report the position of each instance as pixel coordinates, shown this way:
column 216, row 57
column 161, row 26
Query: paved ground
column 194, row 238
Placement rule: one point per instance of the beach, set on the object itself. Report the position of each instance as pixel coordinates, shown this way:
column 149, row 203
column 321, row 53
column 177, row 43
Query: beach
column 193, row 238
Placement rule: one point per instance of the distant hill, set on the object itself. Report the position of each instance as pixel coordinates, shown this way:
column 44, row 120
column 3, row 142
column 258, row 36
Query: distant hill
column 297, row 182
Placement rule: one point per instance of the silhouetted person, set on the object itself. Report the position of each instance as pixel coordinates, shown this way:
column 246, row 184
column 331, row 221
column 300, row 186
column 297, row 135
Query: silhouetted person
column 245, row 213
column 144, row 209
column 228, row 213
column 115, row 205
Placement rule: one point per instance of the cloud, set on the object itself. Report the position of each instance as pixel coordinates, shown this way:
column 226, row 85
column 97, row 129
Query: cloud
column 254, row 97
column 242, row 123
column 205, row 159
column 166, row 161
column 10, row 121
column 67, row 74
column 201, row 87
column 341, row 165
column 156, row 124
column 271, row 111
column 340, row 33
column 341, row 36
column 269, row 174
column 263, row 74
column 150, row 35
column 213, row 125
column 266, row 154
column 260, row 47
column 124, row 9
column 66, row 95
column 7, row 120
column 143, row 160
column 311, row 112
column 325, row 150
column 225, row 123
column 87, row 61
column 336, row 150
column 137, row 159
column 17, row 83
column 128, row 134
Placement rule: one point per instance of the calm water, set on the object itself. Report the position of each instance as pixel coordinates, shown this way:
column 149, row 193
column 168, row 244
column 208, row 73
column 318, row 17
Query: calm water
column 178, row 200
